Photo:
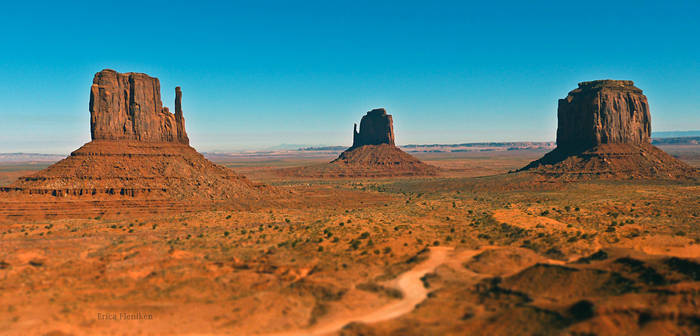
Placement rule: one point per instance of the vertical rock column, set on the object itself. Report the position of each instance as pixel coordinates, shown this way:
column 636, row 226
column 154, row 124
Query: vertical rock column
column 376, row 128
column 179, row 119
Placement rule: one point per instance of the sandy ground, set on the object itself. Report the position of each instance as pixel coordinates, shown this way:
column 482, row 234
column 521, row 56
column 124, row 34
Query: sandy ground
column 409, row 283
column 450, row 255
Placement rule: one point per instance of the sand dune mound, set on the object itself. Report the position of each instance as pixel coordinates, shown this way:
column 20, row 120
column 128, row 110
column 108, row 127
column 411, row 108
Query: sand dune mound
column 499, row 262
column 562, row 282
column 139, row 149
column 617, row 290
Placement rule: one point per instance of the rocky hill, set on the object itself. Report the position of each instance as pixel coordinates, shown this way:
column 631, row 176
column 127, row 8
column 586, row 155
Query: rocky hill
column 138, row 149
column 373, row 154
column 604, row 130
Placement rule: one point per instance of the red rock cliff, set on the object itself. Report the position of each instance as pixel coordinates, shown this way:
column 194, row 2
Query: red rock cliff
column 603, row 112
column 127, row 106
column 376, row 128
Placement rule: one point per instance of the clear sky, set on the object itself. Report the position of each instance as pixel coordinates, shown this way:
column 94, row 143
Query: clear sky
column 257, row 74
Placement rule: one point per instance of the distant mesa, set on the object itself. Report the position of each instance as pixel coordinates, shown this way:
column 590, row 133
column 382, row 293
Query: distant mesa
column 138, row 148
column 604, row 129
column 373, row 154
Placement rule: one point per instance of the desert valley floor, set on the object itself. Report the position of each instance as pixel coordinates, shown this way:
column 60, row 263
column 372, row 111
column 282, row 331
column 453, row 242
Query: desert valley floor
column 479, row 249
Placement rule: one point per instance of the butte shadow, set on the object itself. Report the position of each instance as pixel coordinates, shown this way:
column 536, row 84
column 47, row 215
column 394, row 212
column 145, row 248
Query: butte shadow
column 138, row 149
column 373, row 154
column 604, row 130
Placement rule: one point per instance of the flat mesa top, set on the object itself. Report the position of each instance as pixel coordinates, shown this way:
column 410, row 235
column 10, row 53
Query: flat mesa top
column 125, row 73
column 380, row 111
column 606, row 84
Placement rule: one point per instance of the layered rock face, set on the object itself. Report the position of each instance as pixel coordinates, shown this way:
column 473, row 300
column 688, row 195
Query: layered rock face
column 373, row 154
column 376, row 128
column 604, row 130
column 127, row 106
column 603, row 112
column 139, row 149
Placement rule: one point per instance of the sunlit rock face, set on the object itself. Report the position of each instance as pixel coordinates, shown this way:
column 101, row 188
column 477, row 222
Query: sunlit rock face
column 127, row 106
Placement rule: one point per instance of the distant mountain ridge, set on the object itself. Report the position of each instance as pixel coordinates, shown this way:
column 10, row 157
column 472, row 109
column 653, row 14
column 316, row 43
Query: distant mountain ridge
column 658, row 138
column 675, row 134
column 30, row 157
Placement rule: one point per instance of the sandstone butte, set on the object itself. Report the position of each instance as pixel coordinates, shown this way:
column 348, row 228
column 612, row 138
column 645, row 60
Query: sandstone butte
column 372, row 154
column 604, row 130
column 138, row 148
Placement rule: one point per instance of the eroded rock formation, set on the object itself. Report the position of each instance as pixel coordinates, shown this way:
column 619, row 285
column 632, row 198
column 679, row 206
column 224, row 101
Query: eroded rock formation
column 604, row 130
column 603, row 112
column 139, row 149
column 376, row 128
column 372, row 154
column 127, row 106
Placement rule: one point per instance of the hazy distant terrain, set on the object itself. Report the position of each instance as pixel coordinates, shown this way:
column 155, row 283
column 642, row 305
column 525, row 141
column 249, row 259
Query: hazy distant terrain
column 675, row 134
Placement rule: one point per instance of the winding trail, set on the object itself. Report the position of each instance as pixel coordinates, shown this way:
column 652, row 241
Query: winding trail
column 409, row 283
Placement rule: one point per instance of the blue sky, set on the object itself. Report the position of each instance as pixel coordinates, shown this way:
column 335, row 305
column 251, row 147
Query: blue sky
column 256, row 74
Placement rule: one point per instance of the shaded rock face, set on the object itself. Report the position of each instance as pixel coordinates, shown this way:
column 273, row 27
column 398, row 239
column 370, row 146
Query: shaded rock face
column 127, row 106
column 376, row 128
column 373, row 154
column 604, row 131
column 603, row 112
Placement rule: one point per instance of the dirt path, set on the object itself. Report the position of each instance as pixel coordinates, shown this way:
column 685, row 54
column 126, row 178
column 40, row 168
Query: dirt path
column 413, row 293
column 410, row 285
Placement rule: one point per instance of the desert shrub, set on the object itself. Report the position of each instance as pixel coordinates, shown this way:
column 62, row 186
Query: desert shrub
column 379, row 289
column 554, row 253
column 582, row 310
